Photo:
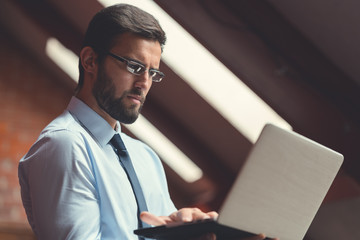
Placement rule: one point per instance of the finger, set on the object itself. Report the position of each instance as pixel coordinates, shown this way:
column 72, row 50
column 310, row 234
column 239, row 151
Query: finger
column 183, row 215
column 213, row 215
column 188, row 215
column 198, row 215
column 152, row 219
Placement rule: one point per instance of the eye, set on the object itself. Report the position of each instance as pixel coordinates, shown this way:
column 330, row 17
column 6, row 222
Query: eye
column 136, row 67
column 156, row 75
column 152, row 73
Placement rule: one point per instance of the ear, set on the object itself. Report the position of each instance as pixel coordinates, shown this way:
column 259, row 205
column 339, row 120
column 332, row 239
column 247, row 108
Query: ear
column 89, row 60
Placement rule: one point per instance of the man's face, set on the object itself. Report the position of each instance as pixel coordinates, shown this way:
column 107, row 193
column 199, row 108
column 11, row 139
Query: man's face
column 118, row 92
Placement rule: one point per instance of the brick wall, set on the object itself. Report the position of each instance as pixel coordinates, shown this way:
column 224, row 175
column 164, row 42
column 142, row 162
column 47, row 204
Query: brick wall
column 30, row 99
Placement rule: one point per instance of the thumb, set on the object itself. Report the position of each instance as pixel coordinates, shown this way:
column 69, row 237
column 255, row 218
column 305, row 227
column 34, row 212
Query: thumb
column 152, row 219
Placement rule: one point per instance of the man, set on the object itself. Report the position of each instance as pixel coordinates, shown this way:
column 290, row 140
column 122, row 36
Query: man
column 74, row 183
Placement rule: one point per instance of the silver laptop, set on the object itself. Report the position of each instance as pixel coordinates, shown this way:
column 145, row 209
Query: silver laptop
column 277, row 192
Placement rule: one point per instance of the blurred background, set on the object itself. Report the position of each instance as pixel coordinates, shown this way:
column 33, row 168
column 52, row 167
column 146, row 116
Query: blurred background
column 231, row 66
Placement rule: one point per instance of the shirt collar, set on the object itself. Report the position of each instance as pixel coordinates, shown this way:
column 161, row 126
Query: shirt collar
column 97, row 126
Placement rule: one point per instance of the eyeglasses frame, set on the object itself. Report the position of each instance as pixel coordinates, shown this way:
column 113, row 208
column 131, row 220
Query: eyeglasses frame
column 127, row 61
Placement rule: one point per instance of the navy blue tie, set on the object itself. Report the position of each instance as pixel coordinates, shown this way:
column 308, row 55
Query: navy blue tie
column 125, row 161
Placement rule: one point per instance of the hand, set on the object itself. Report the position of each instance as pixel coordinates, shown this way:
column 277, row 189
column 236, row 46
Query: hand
column 188, row 215
column 183, row 215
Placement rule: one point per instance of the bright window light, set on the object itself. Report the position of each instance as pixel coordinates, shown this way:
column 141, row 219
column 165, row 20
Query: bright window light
column 209, row 77
column 168, row 152
column 63, row 57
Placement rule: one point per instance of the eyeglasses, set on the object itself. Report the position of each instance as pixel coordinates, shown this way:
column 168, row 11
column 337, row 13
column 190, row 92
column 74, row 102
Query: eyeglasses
column 138, row 68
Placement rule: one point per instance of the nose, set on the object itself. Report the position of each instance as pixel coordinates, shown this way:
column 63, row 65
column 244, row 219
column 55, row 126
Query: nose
column 143, row 81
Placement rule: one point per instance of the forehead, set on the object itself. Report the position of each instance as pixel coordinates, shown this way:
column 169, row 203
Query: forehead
column 129, row 43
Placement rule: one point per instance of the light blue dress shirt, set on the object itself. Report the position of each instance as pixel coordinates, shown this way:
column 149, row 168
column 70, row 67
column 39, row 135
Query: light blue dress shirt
column 73, row 186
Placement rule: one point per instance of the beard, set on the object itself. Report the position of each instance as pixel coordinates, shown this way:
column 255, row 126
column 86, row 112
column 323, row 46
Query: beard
column 104, row 93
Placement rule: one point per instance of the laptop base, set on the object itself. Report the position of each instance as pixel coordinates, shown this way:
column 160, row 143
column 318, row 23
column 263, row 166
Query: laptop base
column 193, row 230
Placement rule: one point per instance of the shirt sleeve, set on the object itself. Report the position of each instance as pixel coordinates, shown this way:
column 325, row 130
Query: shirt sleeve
column 58, row 188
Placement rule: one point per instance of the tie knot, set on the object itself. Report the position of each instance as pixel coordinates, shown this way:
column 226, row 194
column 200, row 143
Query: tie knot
column 117, row 142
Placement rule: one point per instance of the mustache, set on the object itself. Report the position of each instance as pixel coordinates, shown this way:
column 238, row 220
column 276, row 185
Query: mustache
column 138, row 92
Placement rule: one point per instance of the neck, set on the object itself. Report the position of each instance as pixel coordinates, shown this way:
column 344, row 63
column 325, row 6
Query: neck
column 89, row 100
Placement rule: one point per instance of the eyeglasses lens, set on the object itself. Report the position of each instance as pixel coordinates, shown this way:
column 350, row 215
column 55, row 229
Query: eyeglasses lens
column 138, row 69
column 135, row 67
column 156, row 76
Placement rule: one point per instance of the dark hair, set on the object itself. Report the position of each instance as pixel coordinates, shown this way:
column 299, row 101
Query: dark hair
column 109, row 22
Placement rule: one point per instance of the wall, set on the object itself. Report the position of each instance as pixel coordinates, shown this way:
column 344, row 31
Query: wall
column 30, row 99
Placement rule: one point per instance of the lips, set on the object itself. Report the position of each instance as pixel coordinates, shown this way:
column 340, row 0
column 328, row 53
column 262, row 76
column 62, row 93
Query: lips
column 137, row 98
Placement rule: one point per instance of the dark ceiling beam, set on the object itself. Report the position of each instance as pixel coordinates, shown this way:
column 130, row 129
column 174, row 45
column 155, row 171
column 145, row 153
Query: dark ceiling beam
column 338, row 91
column 45, row 15
column 31, row 38
column 315, row 69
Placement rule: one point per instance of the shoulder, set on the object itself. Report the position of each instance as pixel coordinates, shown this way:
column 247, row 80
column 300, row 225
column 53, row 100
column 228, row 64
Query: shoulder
column 64, row 122
column 62, row 139
column 56, row 146
column 62, row 133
